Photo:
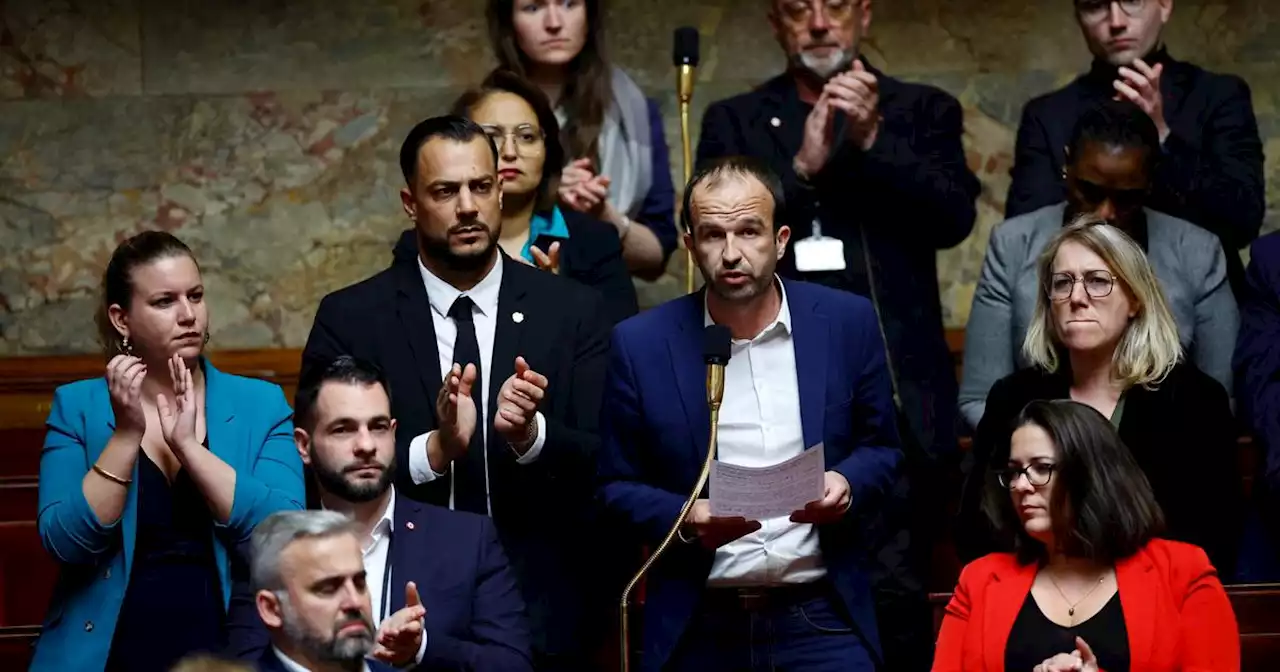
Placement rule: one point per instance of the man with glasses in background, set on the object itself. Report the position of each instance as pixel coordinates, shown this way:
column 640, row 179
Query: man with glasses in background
column 875, row 182
column 1210, row 172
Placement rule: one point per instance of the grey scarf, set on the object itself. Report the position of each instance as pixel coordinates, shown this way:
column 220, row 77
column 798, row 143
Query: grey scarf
column 626, row 152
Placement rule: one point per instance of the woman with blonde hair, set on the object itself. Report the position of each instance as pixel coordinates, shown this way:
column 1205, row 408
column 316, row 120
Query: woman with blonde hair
column 1102, row 334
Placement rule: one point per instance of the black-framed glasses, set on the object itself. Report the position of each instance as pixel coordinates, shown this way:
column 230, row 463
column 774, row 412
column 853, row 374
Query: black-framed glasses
column 525, row 136
column 1097, row 284
column 1038, row 474
column 800, row 11
column 1094, row 11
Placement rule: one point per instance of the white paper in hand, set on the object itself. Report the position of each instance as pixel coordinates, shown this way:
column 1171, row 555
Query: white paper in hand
column 761, row 493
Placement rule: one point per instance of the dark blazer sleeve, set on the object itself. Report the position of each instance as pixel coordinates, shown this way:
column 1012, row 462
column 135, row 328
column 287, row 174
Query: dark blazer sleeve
column 572, row 442
column 973, row 532
column 872, row 464
column 1218, row 181
column 500, row 639
column 1215, row 508
column 649, row 509
column 923, row 173
column 328, row 338
column 247, row 636
column 1035, row 183
column 1257, row 360
column 598, row 264
column 659, row 207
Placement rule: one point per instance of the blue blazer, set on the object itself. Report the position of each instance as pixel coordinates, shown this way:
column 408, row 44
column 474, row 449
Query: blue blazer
column 475, row 616
column 655, row 424
column 249, row 427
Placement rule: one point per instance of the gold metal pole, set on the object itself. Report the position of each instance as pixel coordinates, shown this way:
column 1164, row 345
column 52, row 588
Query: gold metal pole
column 684, row 85
column 715, row 388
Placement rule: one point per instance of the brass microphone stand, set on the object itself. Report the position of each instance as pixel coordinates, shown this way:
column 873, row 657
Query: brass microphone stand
column 684, row 87
column 715, row 393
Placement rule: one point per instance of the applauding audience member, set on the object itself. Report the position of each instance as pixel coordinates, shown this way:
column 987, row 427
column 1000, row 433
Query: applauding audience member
column 1089, row 586
column 152, row 475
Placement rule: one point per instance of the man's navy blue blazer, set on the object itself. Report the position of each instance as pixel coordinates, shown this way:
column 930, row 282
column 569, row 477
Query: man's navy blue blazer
column 655, row 425
column 475, row 615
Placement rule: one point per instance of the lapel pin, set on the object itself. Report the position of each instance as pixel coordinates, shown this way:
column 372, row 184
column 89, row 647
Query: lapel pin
column 775, row 122
column 409, row 524
column 517, row 317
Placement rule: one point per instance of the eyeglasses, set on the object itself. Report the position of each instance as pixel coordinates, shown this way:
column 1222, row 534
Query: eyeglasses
column 800, row 11
column 524, row 136
column 1097, row 284
column 1037, row 473
column 1095, row 11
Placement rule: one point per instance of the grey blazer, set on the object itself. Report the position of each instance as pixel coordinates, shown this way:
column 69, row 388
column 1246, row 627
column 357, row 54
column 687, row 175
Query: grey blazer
column 1188, row 261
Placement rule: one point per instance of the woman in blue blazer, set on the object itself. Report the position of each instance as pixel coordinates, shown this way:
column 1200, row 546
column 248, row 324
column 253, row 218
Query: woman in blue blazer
column 152, row 475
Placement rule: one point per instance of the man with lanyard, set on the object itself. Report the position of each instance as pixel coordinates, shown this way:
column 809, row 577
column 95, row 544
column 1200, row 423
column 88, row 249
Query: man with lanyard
column 876, row 183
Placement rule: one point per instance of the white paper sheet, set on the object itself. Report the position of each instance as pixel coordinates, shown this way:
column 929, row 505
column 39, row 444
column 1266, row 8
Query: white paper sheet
column 761, row 493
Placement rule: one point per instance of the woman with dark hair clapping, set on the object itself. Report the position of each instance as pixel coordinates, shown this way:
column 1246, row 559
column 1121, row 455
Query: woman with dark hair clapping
column 1089, row 586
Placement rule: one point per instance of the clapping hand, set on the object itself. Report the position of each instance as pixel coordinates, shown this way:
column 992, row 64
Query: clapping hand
column 125, row 374
column 1080, row 660
column 518, row 402
column 400, row 635
column 178, row 420
column 549, row 260
column 584, row 191
column 456, row 411
column 1140, row 85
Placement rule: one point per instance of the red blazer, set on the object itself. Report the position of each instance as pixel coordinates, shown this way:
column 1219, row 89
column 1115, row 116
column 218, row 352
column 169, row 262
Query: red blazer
column 1175, row 610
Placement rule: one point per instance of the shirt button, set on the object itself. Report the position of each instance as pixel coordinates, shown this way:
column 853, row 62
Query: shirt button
column 88, row 626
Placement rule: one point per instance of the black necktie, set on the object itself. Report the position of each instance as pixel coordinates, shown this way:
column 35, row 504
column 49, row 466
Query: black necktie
column 469, row 490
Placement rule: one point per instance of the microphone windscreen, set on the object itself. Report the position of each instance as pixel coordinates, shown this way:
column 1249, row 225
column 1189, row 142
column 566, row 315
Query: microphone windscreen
column 716, row 344
column 685, row 48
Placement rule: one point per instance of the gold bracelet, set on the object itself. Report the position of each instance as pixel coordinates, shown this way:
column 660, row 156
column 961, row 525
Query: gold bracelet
column 112, row 477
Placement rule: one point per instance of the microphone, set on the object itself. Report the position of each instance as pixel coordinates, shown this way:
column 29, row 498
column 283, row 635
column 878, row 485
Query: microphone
column 715, row 352
column 684, row 55
column 716, row 348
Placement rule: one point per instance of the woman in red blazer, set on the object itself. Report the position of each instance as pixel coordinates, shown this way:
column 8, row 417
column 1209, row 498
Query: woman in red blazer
column 1089, row 587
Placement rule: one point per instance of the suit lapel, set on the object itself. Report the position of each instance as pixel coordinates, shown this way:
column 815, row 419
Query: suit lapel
column 811, row 336
column 411, row 560
column 685, row 345
column 1004, row 599
column 414, row 312
column 781, row 104
column 507, row 333
column 1139, row 602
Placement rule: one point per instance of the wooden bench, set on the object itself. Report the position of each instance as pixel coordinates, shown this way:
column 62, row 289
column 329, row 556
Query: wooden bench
column 1257, row 608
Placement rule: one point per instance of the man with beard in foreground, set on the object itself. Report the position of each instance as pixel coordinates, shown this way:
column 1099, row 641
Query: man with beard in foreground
column 418, row 559
column 311, row 594
column 495, row 370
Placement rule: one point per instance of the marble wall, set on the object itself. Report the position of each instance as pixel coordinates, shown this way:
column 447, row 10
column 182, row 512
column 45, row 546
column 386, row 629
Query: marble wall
column 264, row 132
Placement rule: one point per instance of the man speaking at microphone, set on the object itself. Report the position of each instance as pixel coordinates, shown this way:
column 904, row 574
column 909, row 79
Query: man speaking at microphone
column 807, row 370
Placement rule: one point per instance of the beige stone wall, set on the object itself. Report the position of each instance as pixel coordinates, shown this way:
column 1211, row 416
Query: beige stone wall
column 264, row 132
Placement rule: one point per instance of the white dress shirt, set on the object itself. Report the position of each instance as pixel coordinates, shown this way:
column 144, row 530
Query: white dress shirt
column 484, row 295
column 292, row 666
column 760, row 427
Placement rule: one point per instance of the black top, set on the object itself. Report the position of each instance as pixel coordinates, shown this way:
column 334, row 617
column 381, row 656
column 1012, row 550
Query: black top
column 173, row 605
column 1035, row 639
column 1182, row 434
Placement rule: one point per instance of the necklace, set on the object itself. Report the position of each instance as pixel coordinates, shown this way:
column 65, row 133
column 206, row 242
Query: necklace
column 1071, row 607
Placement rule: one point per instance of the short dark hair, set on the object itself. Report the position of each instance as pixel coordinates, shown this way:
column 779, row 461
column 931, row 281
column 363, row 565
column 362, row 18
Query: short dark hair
column 117, row 280
column 1102, row 505
column 717, row 169
column 342, row 369
column 451, row 127
column 502, row 80
column 1115, row 123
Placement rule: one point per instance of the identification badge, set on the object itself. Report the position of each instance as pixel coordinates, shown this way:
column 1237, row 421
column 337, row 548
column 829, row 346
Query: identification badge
column 819, row 253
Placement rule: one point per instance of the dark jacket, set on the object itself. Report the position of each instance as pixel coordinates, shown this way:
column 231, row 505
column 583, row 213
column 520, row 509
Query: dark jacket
column 1181, row 433
column 475, row 618
column 540, row 509
column 1211, row 171
column 658, row 211
column 894, row 207
column 1257, row 360
column 591, row 255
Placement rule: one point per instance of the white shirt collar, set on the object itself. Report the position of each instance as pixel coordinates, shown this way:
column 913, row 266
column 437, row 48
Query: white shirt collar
column 293, row 666
column 441, row 294
column 781, row 321
column 384, row 525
